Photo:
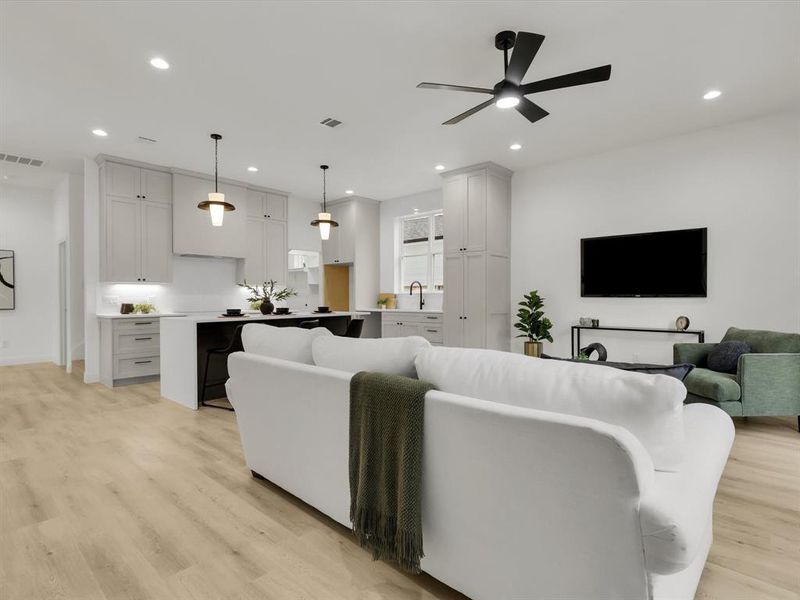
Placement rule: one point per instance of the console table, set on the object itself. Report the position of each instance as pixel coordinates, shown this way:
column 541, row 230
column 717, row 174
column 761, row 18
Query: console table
column 575, row 334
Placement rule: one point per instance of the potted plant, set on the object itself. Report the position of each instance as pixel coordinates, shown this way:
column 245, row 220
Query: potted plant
column 533, row 324
column 383, row 302
column 264, row 296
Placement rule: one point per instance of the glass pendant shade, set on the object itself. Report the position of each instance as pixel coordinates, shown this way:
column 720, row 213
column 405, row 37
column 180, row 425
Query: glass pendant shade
column 216, row 204
column 323, row 220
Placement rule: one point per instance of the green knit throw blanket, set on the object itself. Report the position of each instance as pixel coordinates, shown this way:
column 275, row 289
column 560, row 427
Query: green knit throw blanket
column 386, row 434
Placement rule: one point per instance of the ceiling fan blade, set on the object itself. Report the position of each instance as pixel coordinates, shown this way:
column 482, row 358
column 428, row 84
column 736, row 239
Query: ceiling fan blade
column 471, row 111
column 455, row 88
column 532, row 112
column 564, row 81
column 525, row 48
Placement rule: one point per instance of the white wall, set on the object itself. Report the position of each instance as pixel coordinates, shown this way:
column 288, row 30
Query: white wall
column 27, row 228
column 741, row 181
column 391, row 210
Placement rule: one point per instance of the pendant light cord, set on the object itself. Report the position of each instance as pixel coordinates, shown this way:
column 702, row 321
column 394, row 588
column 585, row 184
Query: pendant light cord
column 324, row 189
column 216, row 166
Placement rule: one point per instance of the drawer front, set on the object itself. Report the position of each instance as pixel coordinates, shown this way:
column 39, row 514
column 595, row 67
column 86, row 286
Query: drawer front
column 137, row 342
column 431, row 333
column 414, row 317
column 139, row 325
column 140, row 366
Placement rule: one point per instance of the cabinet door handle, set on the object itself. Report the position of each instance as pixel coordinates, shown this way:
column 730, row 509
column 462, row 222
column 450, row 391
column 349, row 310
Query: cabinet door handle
column 142, row 362
column 140, row 339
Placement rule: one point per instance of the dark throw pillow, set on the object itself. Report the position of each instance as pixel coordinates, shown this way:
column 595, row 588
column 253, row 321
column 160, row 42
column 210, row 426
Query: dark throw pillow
column 679, row 372
column 724, row 357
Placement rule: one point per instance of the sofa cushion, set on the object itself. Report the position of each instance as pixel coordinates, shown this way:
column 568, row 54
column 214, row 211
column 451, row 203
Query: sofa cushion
column 386, row 355
column 720, row 387
column 765, row 341
column 288, row 343
column 649, row 406
column 724, row 357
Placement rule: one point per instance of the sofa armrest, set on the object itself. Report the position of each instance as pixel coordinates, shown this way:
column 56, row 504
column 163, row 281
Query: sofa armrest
column 676, row 513
column 770, row 383
column 694, row 354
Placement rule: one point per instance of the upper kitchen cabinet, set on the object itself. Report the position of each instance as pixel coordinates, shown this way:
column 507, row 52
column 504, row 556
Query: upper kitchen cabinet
column 267, row 205
column 136, row 224
column 193, row 233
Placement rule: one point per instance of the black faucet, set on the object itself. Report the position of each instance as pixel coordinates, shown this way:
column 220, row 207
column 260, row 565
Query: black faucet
column 411, row 292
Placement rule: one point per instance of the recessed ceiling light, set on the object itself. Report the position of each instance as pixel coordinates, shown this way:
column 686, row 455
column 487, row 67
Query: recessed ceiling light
column 348, row 192
column 515, row 146
column 99, row 132
column 252, row 169
column 712, row 94
column 159, row 63
column 439, row 167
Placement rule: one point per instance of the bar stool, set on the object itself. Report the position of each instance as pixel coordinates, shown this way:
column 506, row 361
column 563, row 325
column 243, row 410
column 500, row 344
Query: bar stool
column 313, row 324
column 234, row 346
column 354, row 328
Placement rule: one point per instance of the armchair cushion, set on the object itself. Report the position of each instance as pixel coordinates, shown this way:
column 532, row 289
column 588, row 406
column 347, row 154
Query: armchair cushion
column 694, row 354
column 720, row 387
column 724, row 357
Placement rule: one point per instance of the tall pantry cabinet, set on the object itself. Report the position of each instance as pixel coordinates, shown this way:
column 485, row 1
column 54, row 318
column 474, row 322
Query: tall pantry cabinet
column 477, row 211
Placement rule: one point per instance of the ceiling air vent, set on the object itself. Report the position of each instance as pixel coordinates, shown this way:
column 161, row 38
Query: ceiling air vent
column 329, row 122
column 21, row 160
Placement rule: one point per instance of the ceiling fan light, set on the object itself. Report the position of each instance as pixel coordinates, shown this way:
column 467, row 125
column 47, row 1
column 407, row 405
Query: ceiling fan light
column 507, row 101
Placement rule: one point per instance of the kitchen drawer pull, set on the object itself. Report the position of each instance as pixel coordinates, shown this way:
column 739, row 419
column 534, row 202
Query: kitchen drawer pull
column 143, row 323
column 142, row 362
column 139, row 339
column 432, row 330
column 431, row 317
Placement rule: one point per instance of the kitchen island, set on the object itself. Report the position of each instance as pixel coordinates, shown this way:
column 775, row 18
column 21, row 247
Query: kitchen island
column 185, row 341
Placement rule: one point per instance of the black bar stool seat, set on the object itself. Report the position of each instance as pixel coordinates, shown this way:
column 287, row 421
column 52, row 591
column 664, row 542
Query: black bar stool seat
column 234, row 346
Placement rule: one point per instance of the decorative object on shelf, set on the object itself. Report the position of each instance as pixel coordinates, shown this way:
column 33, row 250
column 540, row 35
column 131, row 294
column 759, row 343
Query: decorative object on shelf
column 145, row 308
column 533, row 324
column 682, row 323
column 602, row 353
column 282, row 310
column 7, row 292
column 324, row 221
column 233, row 312
column 216, row 204
column 585, row 321
column 126, row 308
column 323, row 309
column 510, row 92
column 382, row 302
column 391, row 299
column 595, row 322
column 264, row 295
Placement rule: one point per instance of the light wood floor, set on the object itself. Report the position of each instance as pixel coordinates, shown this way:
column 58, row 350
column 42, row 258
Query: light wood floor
column 119, row 494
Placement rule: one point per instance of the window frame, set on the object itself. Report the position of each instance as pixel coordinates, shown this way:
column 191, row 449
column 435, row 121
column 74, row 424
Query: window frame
column 399, row 255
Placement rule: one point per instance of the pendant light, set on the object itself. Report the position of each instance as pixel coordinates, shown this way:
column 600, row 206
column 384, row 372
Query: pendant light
column 324, row 222
column 216, row 204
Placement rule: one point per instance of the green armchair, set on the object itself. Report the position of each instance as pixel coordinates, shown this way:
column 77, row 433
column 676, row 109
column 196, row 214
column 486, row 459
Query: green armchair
column 767, row 381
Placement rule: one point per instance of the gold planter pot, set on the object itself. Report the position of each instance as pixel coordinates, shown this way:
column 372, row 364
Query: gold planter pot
column 533, row 349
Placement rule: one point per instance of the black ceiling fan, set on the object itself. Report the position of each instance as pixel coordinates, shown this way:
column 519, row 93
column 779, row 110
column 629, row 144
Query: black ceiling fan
column 510, row 92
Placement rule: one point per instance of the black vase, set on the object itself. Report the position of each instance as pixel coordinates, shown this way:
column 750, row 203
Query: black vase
column 267, row 307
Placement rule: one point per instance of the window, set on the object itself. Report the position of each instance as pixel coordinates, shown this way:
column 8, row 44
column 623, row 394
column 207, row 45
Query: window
column 421, row 252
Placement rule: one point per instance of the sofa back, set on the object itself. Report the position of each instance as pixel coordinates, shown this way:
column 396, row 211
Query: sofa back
column 765, row 341
column 516, row 501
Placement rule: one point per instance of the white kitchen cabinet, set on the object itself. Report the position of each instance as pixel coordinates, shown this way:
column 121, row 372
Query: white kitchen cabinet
column 267, row 205
column 267, row 252
column 156, row 236
column 136, row 230
column 404, row 324
column 277, row 250
column 129, row 349
column 476, row 310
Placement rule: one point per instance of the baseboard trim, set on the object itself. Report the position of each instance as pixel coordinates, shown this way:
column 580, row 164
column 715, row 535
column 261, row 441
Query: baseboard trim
column 25, row 360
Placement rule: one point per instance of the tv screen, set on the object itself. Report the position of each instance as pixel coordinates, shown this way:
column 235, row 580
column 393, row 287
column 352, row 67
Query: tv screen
column 657, row 264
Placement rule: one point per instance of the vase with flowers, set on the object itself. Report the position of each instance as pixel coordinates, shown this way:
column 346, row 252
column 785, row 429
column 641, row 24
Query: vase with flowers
column 265, row 295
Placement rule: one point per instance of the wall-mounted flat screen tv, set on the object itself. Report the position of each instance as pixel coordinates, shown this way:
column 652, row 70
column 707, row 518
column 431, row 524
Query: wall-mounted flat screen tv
column 656, row 264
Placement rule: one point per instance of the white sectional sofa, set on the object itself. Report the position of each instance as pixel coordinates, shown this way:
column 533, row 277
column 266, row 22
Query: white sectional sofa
column 518, row 502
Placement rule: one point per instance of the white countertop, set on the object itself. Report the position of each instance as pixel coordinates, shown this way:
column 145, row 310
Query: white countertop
column 139, row 315
column 400, row 310
column 213, row 317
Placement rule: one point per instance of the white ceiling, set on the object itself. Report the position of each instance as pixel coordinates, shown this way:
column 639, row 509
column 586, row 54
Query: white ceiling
column 264, row 75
